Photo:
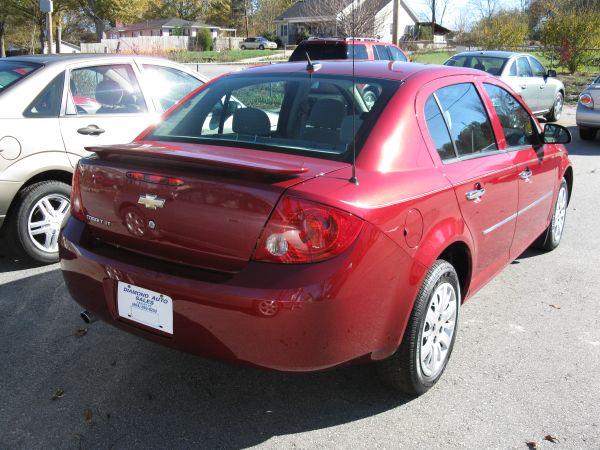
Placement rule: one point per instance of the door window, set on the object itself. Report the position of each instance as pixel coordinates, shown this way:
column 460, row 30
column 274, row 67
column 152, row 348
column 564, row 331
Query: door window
column 513, row 69
column 517, row 124
column 523, row 67
column 48, row 102
column 537, row 68
column 381, row 52
column 397, row 55
column 467, row 119
column 109, row 89
column 438, row 130
column 167, row 85
column 360, row 51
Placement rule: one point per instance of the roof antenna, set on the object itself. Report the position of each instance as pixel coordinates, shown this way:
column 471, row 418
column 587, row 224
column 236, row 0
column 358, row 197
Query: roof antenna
column 353, row 178
column 311, row 67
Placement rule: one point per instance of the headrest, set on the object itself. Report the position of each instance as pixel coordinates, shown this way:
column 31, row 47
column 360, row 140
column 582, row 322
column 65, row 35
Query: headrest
column 347, row 129
column 109, row 93
column 327, row 113
column 479, row 66
column 251, row 121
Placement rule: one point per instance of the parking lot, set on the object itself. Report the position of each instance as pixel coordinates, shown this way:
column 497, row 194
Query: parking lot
column 525, row 366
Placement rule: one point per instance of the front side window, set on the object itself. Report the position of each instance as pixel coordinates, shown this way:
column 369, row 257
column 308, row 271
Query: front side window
column 490, row 64
column 537, row 68
column 167, row 85
column 360, row 51
column 290, row 113
column 397, row 55
column 517, row 124
column 467, row 119
column 13, row 71
column 382, row 52
column 523, row 68
column 110, row 89
column 48, row 102
column 513, row 69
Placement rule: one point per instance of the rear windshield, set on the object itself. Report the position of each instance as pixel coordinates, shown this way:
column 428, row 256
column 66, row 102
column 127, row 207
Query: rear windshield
column 13, row 71
column 320, row 115
column 489, row 64
column 328, row 51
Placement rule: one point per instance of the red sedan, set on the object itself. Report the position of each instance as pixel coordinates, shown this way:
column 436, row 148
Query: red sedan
column 239, row 228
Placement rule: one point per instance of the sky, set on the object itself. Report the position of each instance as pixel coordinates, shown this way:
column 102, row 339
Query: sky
column 454, row 10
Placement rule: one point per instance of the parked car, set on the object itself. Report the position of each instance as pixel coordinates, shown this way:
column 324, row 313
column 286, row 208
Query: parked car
column 272, row 248
column 51, row 108
column 540, row 88
column 257, row 43
column 588, row 111
column 320, row 49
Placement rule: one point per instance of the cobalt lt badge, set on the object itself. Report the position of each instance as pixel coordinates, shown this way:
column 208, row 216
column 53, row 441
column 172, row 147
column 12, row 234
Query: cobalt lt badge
column 151, row 201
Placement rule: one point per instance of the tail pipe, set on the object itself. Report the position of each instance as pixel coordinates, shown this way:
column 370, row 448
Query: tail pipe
column 88, row 317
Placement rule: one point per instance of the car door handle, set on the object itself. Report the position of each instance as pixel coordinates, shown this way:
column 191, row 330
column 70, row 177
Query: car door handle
column 91, row 130
column 475, row 194
column 526, row 174
column 523, row 86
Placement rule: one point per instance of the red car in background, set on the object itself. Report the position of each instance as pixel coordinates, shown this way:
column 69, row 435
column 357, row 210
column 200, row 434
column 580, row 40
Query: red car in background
column 267, row 245
column 320, row 49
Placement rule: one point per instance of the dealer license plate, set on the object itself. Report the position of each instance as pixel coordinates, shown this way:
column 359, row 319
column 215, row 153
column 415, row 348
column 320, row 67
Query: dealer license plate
column 147, row 307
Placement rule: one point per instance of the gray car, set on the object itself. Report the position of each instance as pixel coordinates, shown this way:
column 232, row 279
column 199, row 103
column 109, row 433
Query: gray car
column 543, row 93
column 257, row 43
column 588, row 111
column 53, row 107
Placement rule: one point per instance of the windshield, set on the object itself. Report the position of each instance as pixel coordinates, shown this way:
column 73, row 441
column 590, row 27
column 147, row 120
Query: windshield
column 489, row 64
column 13, row 71
column 293, row 113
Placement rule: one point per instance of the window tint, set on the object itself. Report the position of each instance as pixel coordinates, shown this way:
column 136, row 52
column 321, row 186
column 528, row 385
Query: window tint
column 438, row 130
column 397, row 55
column 523, row 67
column 382, row 52
column 320, row 52
column 467, row 119
column 516, row 122
column 537, row 68
column 48, row 102
column 360, row 51
column 110, row 89
column 513, row 69
column 489, row 64
column 167, row 85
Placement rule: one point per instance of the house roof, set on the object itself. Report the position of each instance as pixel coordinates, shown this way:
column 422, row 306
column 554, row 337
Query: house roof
column 437, row 28
column 163, row 23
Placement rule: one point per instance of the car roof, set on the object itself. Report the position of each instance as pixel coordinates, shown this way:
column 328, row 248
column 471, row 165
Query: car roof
column 491, row 53
column 76, row 57
column 392, row 70
column 345, row 41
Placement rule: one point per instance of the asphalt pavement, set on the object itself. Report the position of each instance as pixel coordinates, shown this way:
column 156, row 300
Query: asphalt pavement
column 526, row 366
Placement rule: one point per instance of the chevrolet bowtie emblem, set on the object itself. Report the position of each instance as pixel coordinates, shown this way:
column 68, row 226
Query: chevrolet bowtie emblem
column 151, row 201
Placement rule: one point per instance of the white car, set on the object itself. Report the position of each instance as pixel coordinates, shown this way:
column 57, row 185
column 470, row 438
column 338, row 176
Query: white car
column 51, row 108
column 257, row 43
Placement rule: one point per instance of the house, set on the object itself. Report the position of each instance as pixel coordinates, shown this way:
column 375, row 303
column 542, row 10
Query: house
column 166, row 27
column 422, row 31
column 313, row 17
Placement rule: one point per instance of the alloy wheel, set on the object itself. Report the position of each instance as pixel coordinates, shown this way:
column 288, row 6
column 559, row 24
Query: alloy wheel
column 560, row 212
column 45, row 220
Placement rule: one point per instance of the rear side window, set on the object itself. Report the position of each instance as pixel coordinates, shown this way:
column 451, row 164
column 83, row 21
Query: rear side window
column 537, row 68
column 13, row 71
column 467, row 119
column 513, row 69
column 523, row 68
column 48, row 102
column 360, row 51
column 320, row 51
column 381, row 52
column 438, row 130
column 516, row 122
column 397, row 55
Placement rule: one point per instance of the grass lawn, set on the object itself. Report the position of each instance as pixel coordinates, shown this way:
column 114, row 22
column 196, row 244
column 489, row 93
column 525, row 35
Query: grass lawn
column 224, row 56
column 574, row 83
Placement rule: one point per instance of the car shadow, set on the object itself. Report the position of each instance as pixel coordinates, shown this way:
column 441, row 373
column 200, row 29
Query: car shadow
column 114, row 389
column 580, row 147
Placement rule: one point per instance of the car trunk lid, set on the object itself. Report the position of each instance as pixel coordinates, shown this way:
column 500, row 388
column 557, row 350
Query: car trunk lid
column 193, row 204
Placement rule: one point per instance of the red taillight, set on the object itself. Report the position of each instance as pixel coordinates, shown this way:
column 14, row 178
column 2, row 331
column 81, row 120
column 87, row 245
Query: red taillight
column 301, row 231
column 586, row 100
column 155, row 179
column 76, row 202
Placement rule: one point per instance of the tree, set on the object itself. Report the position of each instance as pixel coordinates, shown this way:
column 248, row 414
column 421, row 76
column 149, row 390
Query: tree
column 102, row 12
column 573, row 36
column 503, row 30
column 267, row 12
column 484, row 9
column 437, row 9
column 354, row 19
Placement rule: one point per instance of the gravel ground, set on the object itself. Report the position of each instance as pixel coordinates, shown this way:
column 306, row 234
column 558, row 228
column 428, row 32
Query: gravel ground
column 525, row 365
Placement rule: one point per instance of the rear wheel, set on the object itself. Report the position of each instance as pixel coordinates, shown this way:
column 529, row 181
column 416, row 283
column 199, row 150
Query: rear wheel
column 429, row 337
column 243, row 47
column 557, row 108
column 261, row 47
column 35, row 223
column 550, row 239
column 587, row 134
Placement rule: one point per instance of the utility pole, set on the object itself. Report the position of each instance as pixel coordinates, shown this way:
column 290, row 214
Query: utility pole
column 396, row 11
column 47, row 6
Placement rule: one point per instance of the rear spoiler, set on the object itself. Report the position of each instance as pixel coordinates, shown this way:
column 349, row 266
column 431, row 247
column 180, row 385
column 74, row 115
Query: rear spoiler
column 241, row 160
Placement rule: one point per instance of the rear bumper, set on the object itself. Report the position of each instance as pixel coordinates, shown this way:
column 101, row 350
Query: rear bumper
column 282, row 317
column 586, row 117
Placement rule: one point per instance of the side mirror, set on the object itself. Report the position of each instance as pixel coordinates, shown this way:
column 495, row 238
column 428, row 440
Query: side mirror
column 556, row 134
column 551, row 73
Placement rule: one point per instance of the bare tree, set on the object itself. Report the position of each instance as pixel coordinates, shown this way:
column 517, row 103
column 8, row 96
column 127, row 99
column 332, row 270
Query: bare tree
column 485, row 9
column 438, row 9
column 344, row 17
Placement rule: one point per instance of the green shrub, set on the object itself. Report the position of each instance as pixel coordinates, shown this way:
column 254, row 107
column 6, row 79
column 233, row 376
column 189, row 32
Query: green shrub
column 204, row 40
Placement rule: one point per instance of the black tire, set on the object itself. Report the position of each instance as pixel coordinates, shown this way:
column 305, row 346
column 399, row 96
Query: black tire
column 556, row 111
column 587, row 134
column 549, row 240
column 21, row 244
column 403, row 370
column 261, row 47
column 243, row 47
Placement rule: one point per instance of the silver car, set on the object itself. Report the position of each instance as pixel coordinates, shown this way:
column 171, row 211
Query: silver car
column 588, row 111
column 51, row 108
column 257, row 43
column 541, row 90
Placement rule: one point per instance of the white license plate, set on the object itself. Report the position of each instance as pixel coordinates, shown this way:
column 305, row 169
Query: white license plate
column 146, row 307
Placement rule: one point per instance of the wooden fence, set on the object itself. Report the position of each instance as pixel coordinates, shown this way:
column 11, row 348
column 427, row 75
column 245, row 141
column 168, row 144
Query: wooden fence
column 144, row 45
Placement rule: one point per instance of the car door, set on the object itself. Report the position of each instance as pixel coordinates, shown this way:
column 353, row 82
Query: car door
column 167, row 85
column 536, row 166
column 527, row 85
column 105, row 105
column 483, row 177
column 546, row 90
